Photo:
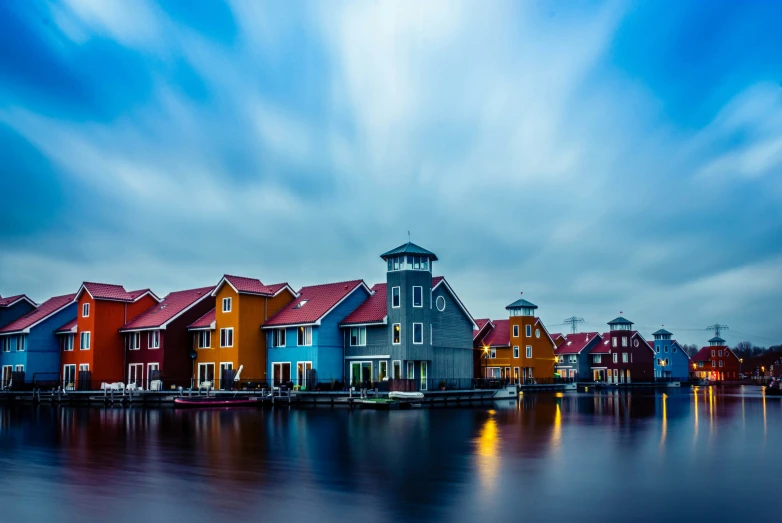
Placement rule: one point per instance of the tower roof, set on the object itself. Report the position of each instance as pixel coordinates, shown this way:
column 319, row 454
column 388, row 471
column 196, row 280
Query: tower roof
column 409, row 248
column 620, row 321
column 521, row 304
column 716, row 339
column 662, row 332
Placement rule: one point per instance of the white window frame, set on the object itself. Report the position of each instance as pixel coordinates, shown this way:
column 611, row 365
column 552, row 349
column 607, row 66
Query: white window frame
column 528, row 330
column 421, row 295
column 153, row 339
column 380, row 365
column 394, row 365
column 279, row 337
column 515, row 331
column 227, row 303
column 410, row 370
column 624, row 341
column 438, row 303
column 84, row 367
column 361, row 336
column 393, row 331
column 149, row 372
column 134, row 341
column 226, row 330
column 597, row 358
column 421, row 342
column 19, row 368
column 205, row 336
column 69, row 342
column 397, row 297
column 615, row 342
column 65, row 374
column 5, row 344
column 84, row 336
column 616, row 357
column 529, row 351
column 306, row 334
column 625, row 357
column 85, row 310
column 516, row 351
column 131, row 367
column 21, row 341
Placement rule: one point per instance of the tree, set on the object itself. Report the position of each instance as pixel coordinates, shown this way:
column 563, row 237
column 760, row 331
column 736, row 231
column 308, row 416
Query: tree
column 691, row 350
column 743, row 349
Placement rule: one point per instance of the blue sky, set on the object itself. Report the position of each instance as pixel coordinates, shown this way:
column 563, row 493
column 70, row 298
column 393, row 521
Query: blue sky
column 600, row 157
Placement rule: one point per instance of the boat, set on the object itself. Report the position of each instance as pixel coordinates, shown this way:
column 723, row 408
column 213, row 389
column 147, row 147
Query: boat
column 399, row 395
column 214, row 402
column 508, row 392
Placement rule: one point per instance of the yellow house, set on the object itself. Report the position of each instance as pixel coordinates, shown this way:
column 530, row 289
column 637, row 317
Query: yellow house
column 230, row 337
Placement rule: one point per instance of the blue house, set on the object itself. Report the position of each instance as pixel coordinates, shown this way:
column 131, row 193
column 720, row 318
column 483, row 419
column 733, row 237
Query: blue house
column 29, row 346
column 14, row 307
column 670, row 360
column 304, row 341
column 413, row 332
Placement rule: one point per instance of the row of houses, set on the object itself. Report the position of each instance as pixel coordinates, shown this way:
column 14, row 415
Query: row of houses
column 412, row 331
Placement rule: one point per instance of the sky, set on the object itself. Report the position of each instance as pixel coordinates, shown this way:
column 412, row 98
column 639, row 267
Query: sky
column 598, row 157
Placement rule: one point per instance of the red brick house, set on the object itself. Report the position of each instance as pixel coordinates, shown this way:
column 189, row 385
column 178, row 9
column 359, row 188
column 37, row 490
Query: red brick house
column 623, row 355
column 717, row 362
column 157, row 342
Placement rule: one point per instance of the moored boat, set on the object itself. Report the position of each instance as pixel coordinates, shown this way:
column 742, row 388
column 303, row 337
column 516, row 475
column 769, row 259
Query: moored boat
column 214, row 402
column 399, row 395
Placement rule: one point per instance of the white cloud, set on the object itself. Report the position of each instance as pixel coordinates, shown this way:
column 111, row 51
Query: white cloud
column 134, row 23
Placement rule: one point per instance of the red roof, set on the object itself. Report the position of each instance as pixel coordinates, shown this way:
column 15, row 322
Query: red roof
column 106, row 291
column 373, row 310
column 204, row 322
column 481, row 323
column 248, row 285
column 603, row 347
column 499, row 336
column 575, row 343
column 274, row 288
column 135, row 295
column 10, row 300
column 46, row 309
column 556, row 335
column 173, row 304
column 313, row 303
column 68, row 327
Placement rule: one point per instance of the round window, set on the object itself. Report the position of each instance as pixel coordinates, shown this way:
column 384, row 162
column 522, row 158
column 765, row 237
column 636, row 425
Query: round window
column 636, row 344
column 440, row 303
column 537, row 333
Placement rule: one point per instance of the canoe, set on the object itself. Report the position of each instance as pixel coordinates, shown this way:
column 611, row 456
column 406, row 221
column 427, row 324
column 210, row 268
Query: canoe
column 398, row 395
column 200, row 403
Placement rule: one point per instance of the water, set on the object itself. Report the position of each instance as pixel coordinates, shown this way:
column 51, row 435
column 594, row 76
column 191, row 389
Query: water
column 703, row 456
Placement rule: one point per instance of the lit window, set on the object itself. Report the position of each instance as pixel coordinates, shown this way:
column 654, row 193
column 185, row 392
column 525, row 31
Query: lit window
column 395, row 297
column 397, row 332
column 418, row 333
column 418, row 296
column 304, row 336
column 226, row 304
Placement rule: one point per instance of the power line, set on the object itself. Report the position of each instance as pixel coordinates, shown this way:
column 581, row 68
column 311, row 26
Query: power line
column 573, row 321
column 716, row 328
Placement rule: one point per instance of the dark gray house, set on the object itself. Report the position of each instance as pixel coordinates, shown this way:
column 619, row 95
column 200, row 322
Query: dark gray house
column 573, row 355
column 413, row 330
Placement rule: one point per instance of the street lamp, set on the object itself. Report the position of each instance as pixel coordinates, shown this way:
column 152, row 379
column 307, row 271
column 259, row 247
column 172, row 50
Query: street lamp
column 485, row 357
column 741, row 360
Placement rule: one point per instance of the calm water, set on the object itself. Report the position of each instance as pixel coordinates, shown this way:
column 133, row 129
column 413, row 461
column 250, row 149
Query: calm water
column 574, row 457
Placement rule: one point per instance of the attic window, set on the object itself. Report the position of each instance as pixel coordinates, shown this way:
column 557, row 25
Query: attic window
column 301, row 304
column 163, row 306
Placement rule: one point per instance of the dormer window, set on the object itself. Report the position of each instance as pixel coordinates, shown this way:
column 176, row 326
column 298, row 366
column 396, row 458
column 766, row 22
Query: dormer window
column 301, row 304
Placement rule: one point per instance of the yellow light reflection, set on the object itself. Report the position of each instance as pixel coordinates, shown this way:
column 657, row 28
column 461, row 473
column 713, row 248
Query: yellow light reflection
column 695, row 405
column 487, row 456
column 711, row 410
column 556, row 434
column 665, row 421
column 765, row 427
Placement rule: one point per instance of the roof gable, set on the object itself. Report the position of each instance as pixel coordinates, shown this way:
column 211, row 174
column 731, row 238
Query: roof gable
column 13, row 300
column 44, row 311
column 373, row 310
column 205, row 322
column 170, row 308
column 313, row 303
column 575, row 343
column 499, row 336
column 68, row 328
column 440, row 280
column 243, row 285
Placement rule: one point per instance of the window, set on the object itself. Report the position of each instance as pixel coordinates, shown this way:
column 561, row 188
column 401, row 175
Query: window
column 560, row 359
column 227, row 337
column 624, row 357
column 674, row 348
column 537, row 333
column 720, row 363
column 615, row 342
column 572, row 358
column 411, row 370
column 84, row 367
column 596, row 358
column 712, row 363
column 700, row 364
column 301, row 304
column 515, row 331
column 665, row 349
column 395, row 297
column 204, row 339
column 358, row 336
column 304, row 337
column 382, row 372
column 84, row 341
column 397, row 333
column 659, row 362
column 529, row 351
column 516, row 351
column 416, row 262
column 67, row 342
column 396, row 367
column 616, row 357
column 720, row 353
column 418, row 333
column 440, row 303
column 492, row 353
column 19, row 368
column 418, row 296
column 278, row 338
column 21, row 343
column 529, row 331
column 431, row 335
column 5, row 343
column 424, row 263
column 712, row 353
column 134, row 341
column 226, row 304
column 153, row 340
column 624, row 341
column 85, row 310
column 658, row 348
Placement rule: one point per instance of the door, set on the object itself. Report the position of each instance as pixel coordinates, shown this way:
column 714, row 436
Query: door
column 281, row 373
column 303, row 369
column 225, row 374
column 153, row 376
column 382, row 372
column 136, row 374
column 6, row 379
column 68, row 377
column 206, row 374
column 410, row 370
column 423, row 375
column 397, row 370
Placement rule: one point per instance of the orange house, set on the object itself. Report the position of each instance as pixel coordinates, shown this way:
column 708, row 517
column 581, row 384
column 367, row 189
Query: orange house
column 230, row 338
column 98, row 354
column 519, row 349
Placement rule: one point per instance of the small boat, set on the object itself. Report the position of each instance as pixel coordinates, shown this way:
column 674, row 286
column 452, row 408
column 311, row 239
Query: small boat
column 214, row 402
column 399, row 395
column 508, row 392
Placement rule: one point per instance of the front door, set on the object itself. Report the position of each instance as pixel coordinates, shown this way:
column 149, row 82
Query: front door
column 136, row 374
column 281, row 373
column 68, row 377
column 206, row 374
column 153, row 374
column 423, row 375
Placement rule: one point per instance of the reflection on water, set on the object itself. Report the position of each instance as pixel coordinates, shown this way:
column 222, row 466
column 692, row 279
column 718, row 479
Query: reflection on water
column 558, row 457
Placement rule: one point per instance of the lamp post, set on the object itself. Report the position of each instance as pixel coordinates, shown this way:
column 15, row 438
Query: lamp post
column 741, row 360
column 485, row 357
